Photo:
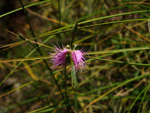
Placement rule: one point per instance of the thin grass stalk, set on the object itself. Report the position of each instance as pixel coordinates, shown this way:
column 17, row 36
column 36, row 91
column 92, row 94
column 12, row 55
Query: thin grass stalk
column 59, row 18
column 38, row 50
column 66, row 92
column 74, row 83
column 48, row 69
column 143, row 98
column 12, row 71
column 27, row 6
column 73, row 71
column 75, row 97
column 59, row 12
column 136, row 100
column 122, row 84
column 27, row 18
column 74, row 32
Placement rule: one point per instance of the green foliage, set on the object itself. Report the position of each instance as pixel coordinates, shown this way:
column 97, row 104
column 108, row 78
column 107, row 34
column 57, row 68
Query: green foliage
column 114, row 34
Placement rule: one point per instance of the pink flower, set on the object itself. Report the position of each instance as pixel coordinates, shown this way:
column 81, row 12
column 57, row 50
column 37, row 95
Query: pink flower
column 78, row 59
column 58, row 58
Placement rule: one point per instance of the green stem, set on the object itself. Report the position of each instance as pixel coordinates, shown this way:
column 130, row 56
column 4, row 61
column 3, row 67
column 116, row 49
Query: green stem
column 143, row 97
column 66, row 93
column 75, row 97
column 75, row 92
column 59, row 18
column 74, row 83
column 12, row 71
column 27, row 18
column 74, row 32
column 136, row 100
column 59, row 13
column 38, row 50
column 27, row 6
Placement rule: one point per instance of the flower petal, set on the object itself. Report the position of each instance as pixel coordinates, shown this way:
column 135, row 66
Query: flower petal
column 78, row 59
column 58, row 58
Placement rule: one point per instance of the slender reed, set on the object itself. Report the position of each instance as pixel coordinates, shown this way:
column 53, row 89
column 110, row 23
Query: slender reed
column 38, row 50
column 66, row 92
column 59, row 13
column 75, row 96
column 73, row 72
column 143, row 98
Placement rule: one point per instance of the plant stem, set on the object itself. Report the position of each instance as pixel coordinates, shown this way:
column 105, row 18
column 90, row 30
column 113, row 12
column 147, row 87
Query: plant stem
column 75, row 96
column 143, row 98
column 38, row 50
column 136, row 100
column 59, row 13
column 12, row 71
column 66, row 93
column 59, row 18
column 74, row 32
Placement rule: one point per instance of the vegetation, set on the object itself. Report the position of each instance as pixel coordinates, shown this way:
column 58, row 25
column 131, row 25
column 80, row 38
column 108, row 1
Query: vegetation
column 115, row 35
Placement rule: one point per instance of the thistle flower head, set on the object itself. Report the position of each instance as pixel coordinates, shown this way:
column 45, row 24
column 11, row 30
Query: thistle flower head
column 58, row 57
